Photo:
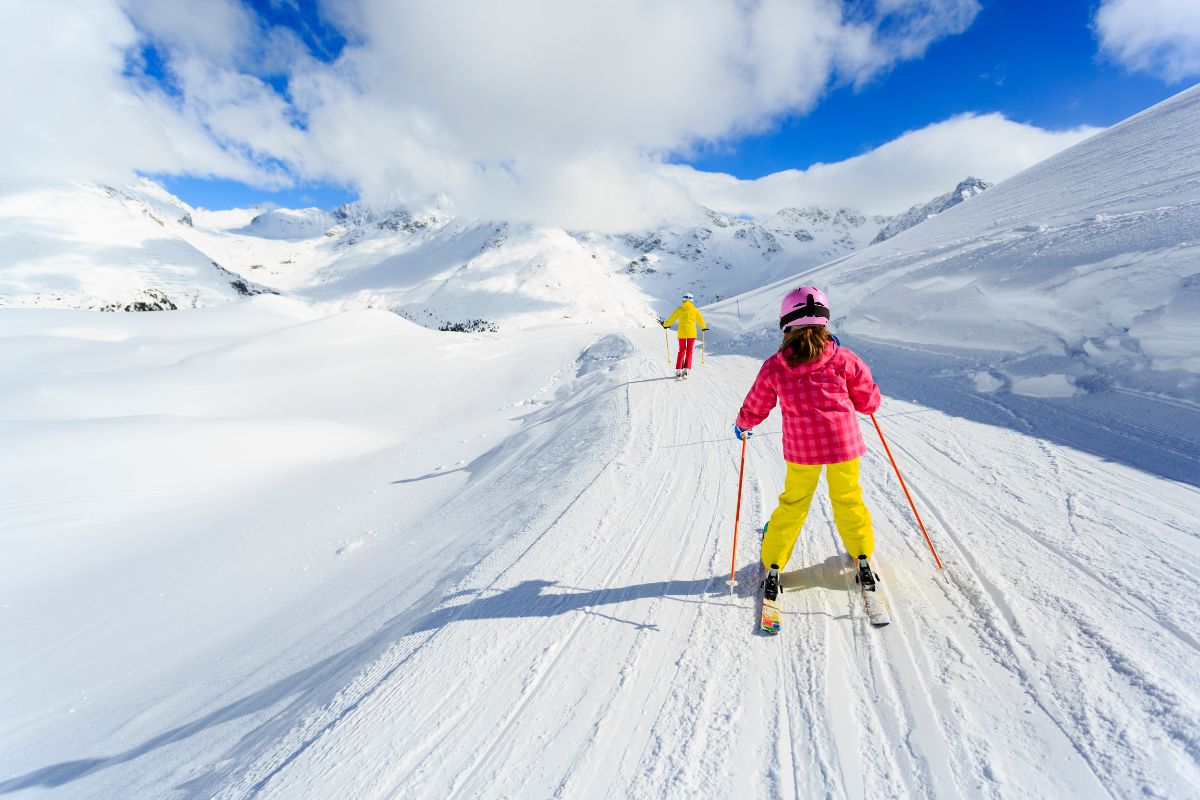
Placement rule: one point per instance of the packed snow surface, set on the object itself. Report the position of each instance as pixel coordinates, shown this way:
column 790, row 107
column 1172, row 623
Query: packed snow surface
column 258, row 551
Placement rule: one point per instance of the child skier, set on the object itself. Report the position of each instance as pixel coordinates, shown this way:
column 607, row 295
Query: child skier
column 688, row 315
column 819, row 386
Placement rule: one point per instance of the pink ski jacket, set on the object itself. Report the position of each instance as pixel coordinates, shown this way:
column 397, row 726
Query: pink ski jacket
column 819, row 402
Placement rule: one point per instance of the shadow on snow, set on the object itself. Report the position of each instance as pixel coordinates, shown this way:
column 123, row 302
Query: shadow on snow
column 316, row 685
column 1156, row 435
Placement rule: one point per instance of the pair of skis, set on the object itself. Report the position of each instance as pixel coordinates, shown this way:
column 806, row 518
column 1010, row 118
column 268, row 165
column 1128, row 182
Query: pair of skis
column 865, row 584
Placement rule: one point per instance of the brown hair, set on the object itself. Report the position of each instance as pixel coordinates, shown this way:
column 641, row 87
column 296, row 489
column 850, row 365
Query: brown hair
column 805, row 344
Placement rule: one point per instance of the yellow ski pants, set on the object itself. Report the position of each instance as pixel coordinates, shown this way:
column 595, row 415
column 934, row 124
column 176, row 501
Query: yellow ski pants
column 849, row 513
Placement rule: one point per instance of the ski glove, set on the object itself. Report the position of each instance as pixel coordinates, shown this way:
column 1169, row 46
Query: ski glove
column 738, row 433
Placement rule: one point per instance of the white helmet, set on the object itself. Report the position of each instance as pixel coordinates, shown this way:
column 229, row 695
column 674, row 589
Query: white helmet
column 688, row 296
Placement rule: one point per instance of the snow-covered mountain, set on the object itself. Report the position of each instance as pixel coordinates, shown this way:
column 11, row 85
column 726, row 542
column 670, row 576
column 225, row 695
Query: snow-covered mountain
column 724, row 255
column 97, row 247
column 1078, row 275
column 423, row 264
column 919, row 213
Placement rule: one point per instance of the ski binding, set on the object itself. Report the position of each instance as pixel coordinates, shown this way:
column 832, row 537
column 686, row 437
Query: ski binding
column 874, row 602
column 770, row 602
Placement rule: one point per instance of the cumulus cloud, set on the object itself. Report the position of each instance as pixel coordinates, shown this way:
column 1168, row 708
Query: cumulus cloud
column 557, row 113
column 912, row 168
column 1157, row 36
column 72, row 112
column 223, row 31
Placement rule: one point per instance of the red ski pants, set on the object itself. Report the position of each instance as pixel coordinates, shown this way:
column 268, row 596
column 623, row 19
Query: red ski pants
column 684, row 360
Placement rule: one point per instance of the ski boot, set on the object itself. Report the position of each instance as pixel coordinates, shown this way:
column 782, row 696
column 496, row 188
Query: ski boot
column 865, row 577
column 685, row 373
column 678, row 374
column 770, row 584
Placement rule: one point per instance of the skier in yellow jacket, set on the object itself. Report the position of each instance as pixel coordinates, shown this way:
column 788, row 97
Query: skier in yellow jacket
column 688, row 317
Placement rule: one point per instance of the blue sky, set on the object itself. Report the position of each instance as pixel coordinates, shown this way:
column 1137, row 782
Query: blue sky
column 1034, row 62
column 324, row 42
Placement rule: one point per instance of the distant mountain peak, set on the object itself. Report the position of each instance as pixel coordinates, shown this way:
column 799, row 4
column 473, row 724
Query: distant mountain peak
column 971, row 186
column 965, row 190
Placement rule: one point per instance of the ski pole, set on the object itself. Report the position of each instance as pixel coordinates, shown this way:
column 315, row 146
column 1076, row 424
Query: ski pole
column 911, row 504
column 702, row 348
column 667, row 342
column 737, row 517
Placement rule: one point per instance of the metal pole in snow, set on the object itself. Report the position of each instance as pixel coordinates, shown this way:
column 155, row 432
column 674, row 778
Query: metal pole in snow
column 737, row 517
column 911, row 504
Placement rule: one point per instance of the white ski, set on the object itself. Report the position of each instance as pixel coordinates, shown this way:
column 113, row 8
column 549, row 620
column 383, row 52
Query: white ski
column 875, row 603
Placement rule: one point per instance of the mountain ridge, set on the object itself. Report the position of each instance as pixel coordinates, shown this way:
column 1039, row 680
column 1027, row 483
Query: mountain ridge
column 424, row 264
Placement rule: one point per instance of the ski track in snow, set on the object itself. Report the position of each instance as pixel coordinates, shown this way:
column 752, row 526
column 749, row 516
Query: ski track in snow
column 596, row 651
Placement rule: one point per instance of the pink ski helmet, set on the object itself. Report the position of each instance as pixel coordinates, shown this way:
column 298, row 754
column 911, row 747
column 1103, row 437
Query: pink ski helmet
column 805, row 305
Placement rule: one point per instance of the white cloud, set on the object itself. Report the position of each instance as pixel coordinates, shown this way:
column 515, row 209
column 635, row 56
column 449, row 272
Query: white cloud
column 71, row 113
column 221, row 31
column 913, row 168
column 509, row 108
column 1157, row 36
column 558, row 113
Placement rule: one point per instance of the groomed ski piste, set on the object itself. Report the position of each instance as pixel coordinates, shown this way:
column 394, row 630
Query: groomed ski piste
column 262, row 551
column 550, row 617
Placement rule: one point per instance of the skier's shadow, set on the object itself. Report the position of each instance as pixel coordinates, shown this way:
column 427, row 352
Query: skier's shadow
column 541, row 598
column 829, row 574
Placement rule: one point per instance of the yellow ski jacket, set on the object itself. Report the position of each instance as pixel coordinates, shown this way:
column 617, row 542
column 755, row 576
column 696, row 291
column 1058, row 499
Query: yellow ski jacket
column 688, row 315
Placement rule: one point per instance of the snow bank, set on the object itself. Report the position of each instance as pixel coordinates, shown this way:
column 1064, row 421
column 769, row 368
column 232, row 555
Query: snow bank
column 186, row 496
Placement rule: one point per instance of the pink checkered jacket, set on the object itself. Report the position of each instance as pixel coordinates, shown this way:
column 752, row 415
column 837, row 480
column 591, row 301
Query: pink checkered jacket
column 819, row 401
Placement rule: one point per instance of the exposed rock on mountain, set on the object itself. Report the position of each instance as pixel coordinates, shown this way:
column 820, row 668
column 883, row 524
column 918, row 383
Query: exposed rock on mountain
column 919, row 213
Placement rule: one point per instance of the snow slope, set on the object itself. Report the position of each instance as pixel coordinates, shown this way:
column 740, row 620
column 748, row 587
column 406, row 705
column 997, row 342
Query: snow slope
column 629, row 672
column 1078, row 275
column 512, row 582
column 193, row 502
